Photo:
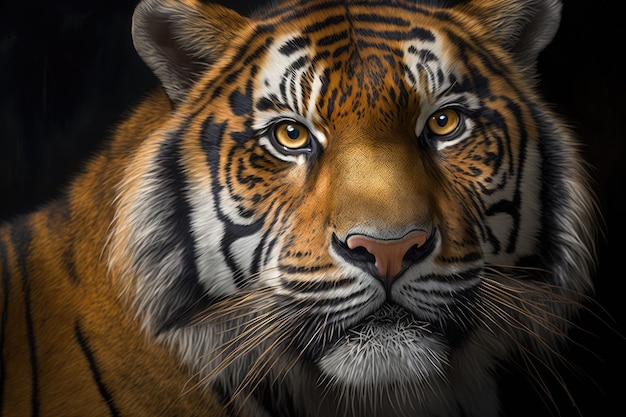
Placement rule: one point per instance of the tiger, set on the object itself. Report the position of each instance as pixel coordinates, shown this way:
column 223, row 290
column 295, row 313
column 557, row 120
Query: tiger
column 326, row 208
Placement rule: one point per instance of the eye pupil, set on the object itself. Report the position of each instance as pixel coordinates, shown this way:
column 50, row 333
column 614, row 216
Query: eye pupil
column 441, row 120
column 293, row 132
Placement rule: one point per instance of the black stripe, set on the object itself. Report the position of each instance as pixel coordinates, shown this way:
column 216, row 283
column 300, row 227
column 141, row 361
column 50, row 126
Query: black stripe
column 58, row 213
column 283, row 84
column 387, row 34
column 377, row 18
column 240, row 103
column 240, row 66
column 185, row 297
column 493, row 65
column 288, row 12
column 330, row 104
column 211, row 138
column 425, row 55
column 329, row 21
column 551, row 249
column 21, row 236
column 95, row 372
column 331, row 301
column 247, row 67
column 467, row 258
column 421, row 34
column 334, row 38
column 298, row 63
column 291, row 269
column 68, row 262
column 316, row 286
column 380, row 46
column 517, row 196
column 265, row 103
column 294, row 45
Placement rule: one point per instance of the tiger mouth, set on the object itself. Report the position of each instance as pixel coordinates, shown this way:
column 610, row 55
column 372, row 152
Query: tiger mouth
column 389, row 345
column 390, row 317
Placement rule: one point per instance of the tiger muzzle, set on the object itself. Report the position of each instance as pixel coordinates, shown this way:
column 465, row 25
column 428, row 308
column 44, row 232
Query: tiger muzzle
column 386, row 259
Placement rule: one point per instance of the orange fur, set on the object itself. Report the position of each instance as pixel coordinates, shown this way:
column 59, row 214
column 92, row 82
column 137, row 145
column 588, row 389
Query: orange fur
column 65, row 295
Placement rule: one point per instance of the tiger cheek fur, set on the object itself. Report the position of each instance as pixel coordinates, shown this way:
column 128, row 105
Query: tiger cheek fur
column 334, row 208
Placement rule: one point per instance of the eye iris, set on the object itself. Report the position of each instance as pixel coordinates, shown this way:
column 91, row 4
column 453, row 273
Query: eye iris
column 291, row 135
column 443, row 122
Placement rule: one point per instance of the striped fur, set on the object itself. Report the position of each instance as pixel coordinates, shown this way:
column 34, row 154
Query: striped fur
column 201, row 265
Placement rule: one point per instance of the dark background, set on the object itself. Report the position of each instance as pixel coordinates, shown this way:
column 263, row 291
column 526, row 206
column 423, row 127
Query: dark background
column 69, row 74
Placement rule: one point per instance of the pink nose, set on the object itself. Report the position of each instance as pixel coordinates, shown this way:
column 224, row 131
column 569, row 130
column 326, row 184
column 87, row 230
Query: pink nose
column 388, row 253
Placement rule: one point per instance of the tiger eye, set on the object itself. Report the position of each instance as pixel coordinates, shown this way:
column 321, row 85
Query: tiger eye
column 443, row 122
column 291, row 135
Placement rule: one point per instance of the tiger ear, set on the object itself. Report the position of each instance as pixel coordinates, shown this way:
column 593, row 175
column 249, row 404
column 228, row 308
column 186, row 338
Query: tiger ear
column 180, row 39
column 524, row 27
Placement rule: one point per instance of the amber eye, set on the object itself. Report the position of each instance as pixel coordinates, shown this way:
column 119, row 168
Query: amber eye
column 292, row 135
column 444, row 122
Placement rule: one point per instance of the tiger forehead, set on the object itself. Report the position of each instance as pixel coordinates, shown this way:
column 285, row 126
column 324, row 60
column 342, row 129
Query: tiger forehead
column 350, row 68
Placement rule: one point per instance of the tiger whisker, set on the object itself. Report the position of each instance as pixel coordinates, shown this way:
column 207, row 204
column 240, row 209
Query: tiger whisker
column 508, row 300
column 500, row 297
column 555, row 295
column 524, row 352
column 261, row 368
column 500, row 301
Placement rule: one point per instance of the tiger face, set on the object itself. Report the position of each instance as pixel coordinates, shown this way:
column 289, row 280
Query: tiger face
column 353, row 205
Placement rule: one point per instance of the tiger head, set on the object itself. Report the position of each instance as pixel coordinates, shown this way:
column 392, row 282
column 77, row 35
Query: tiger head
column 359, row 202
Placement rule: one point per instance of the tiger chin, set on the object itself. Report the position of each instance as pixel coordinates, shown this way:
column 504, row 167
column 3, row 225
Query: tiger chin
column 331, row 208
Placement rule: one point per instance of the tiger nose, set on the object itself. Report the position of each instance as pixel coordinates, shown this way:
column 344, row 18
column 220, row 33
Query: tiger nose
column 389, row 254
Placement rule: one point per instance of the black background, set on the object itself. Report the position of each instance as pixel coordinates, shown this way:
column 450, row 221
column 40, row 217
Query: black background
column 68, row 74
